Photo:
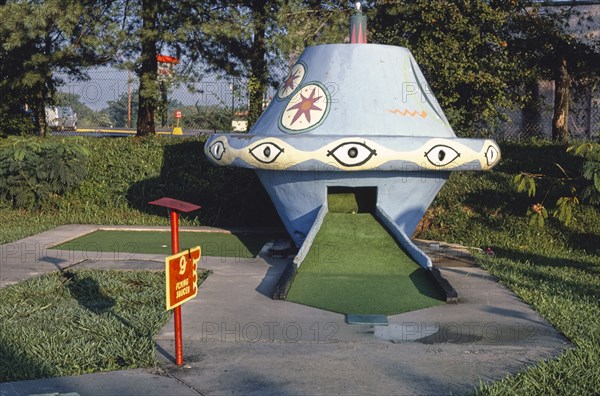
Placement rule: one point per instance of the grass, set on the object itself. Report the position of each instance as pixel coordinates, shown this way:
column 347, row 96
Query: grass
column 555, row 269
column 80, row 321
column 241, row 245
column 376, row 278
column 124, row 174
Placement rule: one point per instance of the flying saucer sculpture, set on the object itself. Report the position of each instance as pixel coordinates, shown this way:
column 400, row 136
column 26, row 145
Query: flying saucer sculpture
column 353, row 115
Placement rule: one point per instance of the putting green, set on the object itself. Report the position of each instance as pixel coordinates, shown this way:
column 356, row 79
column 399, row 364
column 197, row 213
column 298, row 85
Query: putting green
column 240, row 245
column 356, row 266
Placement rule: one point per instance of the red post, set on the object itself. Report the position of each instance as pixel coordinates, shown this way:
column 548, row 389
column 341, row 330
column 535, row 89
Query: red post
column 177, row 310
column 175, row 206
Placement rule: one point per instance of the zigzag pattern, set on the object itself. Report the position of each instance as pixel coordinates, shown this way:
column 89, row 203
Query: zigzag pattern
column 407, row 112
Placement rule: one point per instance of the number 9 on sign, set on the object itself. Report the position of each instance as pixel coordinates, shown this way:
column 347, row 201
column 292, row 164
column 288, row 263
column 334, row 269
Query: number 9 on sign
column 181, row 277
column 182, row 265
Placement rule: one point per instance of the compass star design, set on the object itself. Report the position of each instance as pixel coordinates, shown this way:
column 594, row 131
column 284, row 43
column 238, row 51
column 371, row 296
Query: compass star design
column 305, row 106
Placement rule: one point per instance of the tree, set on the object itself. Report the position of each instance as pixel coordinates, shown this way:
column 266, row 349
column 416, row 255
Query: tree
column 546, row 38
column 150, row 28
column 148, row 68
column 117, row 109
column 85, row 115
column 461, row 46
column 41, row 40
column 249, row 38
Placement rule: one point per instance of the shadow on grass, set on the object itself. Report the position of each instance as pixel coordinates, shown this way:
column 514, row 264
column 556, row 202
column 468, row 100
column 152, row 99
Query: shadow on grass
column 490, row 200
column 539, row 274
column 87, row 293
column 424, row 284
column 588, row 242
column 228, row 196
column 549, row 262
column 15, row 365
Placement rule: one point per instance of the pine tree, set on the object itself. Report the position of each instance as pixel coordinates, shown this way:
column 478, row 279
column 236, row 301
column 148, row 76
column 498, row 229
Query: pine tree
column 250, row 38
column 42, row 40
column 150, row 28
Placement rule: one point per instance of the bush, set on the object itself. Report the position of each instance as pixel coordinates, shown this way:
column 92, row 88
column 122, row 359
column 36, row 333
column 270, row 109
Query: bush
column 35, row 172
column 125, row 174
column 576, row 179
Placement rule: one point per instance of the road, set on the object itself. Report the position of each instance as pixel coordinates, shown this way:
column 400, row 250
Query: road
column 122, row 132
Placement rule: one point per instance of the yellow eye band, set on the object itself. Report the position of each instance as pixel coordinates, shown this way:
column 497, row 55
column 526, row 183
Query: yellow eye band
column 353, row 153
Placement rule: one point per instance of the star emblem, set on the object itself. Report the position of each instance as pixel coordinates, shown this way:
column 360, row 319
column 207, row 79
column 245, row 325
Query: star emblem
column 305, row 106
column 289, row 82
column 292, row 81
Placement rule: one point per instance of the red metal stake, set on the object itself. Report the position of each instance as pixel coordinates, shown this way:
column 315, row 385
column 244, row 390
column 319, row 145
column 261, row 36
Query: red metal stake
column 177, row 310
column 175, row 206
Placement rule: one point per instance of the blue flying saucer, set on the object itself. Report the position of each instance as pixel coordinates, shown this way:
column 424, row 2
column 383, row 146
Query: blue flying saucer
column 353, row 116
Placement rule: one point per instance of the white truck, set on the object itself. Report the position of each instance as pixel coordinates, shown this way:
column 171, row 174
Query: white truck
column 61, row 118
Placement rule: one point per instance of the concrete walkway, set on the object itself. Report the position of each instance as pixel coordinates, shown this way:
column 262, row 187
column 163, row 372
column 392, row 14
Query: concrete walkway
column 239, row 341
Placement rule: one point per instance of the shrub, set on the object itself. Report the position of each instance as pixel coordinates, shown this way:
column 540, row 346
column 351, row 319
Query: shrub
column 575, row 179
column 35, row 172
column 127, row 173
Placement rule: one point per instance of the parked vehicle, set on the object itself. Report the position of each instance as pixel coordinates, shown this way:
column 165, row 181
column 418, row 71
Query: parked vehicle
column 60, row 118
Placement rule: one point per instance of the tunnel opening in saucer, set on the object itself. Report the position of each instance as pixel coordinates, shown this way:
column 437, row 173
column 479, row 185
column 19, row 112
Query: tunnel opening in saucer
column 351, row 199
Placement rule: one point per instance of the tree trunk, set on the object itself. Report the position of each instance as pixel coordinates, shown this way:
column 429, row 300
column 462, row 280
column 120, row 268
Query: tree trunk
column 149, row 91
column 531, row 124
column 257, row 85
column 39, row 110
column 46, row 91
column 560, row 120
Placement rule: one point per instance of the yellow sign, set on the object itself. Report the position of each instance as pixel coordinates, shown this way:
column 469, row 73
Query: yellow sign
column 177, row 131
column 181, row 272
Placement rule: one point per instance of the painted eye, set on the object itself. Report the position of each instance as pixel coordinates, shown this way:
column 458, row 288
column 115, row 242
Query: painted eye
column 352, row 153
column 491, row 155
column 441, row 155
column 266, row 152
column 217, row 150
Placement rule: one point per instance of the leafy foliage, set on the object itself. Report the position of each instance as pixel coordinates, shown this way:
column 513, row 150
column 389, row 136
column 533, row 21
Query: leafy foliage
column 588, row 184
column 462, row 48
column 40, row 42
column 591, row 170
column 34, row 173
column 525, row 182
column 564, row 209
column 537, row 215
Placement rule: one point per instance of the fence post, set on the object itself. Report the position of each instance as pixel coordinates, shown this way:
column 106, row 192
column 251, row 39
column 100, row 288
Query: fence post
column 590, row 99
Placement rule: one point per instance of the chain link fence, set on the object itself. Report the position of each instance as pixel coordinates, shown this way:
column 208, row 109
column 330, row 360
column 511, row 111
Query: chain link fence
column 584, row 115
column 109, row 100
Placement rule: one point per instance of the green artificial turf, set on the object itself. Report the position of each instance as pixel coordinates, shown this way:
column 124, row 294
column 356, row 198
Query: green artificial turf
column 156, row 242
column 356, row 266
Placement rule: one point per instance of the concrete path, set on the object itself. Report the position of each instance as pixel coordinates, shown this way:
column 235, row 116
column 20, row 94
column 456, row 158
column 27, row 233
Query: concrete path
column 239, row 341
